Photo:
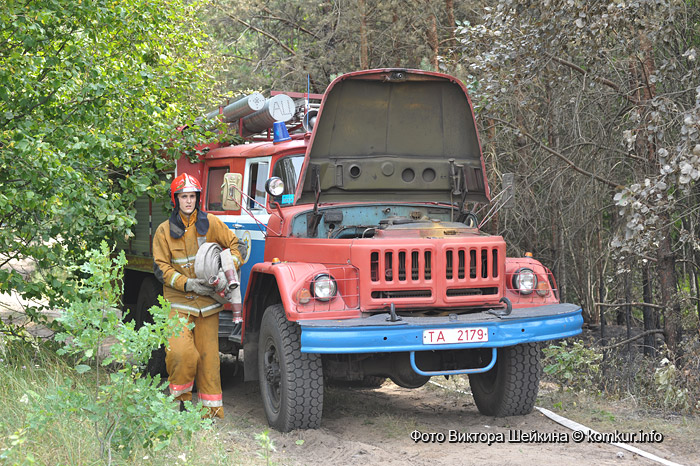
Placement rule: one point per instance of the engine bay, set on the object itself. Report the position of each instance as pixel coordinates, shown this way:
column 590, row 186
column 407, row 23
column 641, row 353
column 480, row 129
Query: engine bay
column 366, row 221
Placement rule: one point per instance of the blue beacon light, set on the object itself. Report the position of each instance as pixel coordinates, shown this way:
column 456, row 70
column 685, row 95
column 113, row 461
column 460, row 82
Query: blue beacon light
column 279, row 130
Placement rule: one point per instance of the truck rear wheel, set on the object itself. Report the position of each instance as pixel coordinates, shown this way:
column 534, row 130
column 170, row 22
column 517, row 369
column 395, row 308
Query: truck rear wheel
column 510, row 388
column 291, row 382
column 148, row 297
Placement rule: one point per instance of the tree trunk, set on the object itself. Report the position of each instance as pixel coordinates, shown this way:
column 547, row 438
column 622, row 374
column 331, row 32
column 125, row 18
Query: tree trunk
column 450, row 8
column 601, row 299
column 433, row 40
column 628, row 315
column 364, row 43
column 452, row 25
column 665, row 265
column 649, row 320
column 696, row 278
column 562, row 253
column 394, row 22
column 620, row 314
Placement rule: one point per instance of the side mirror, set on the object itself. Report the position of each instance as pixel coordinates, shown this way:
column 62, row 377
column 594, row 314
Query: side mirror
column 508, row 186
column 231, row 191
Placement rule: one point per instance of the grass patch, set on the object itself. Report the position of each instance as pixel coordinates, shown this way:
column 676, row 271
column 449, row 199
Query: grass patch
column 31, row 373
column 605, row 414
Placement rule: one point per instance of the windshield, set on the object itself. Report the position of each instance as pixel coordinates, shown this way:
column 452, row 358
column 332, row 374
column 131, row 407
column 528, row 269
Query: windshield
column 288, row 169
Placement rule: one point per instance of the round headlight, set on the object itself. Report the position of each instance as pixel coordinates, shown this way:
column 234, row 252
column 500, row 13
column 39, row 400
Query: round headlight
column 274, row 186
column 524, row 280
column 323, row 287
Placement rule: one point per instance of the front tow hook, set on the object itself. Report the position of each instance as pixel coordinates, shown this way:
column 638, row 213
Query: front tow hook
column 500, row 312
column 392, row 314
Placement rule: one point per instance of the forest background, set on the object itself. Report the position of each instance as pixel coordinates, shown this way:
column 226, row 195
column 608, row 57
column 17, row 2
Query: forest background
column 593, row 105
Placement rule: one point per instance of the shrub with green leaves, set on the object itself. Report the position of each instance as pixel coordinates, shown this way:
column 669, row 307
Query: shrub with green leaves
column 126, row 408
column 92, row 95
column 574, row 367
column 669, row 386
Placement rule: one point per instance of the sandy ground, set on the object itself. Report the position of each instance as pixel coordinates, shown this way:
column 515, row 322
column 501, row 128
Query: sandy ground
column 369, row 427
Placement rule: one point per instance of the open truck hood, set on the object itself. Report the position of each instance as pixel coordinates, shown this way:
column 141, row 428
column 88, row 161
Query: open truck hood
column 389, row 135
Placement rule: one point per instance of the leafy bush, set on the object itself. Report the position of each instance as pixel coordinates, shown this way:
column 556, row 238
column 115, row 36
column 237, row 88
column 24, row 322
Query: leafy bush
column 574, row 366
column 91, row 99
column 666, row 378
column 125, row 408
column 31, row 372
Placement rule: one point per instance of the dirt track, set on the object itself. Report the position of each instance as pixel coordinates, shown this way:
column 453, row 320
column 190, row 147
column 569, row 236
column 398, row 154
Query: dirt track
column 369, row 427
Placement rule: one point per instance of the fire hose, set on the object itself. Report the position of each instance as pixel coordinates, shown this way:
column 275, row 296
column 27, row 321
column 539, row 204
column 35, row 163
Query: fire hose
column 215, row 265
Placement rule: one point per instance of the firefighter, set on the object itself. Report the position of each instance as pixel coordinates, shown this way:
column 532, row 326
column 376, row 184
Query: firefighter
column 192, row 355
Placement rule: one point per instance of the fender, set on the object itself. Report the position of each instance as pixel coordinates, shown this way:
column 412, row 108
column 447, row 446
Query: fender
column 294, row 281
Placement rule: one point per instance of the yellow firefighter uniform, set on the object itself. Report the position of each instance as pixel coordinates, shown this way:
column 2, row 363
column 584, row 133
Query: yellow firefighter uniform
column 194, row 354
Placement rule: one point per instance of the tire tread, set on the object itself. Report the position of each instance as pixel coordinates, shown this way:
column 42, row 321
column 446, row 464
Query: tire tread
column 304, row 377
column 516, row 384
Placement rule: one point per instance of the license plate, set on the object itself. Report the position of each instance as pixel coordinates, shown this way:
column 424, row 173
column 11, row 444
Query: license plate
column 444, row 336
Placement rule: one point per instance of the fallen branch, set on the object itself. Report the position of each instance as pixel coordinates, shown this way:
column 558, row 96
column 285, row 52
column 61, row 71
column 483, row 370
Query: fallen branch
column 624, row 342
column 575, row 426
column 655, row 306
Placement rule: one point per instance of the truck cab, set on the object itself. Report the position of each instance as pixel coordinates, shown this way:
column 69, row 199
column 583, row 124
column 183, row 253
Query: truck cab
column 366, row 259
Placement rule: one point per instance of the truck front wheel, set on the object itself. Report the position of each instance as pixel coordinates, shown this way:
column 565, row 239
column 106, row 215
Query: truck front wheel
column 510, row 388
column 291, row 382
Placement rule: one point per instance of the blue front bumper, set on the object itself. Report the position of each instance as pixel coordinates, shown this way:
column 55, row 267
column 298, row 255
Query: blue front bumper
column 376, row 334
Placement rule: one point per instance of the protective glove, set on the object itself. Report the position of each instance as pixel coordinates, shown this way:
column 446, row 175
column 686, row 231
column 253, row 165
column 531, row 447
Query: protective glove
column 242, row 249
column 199, row 286
column 222, row 283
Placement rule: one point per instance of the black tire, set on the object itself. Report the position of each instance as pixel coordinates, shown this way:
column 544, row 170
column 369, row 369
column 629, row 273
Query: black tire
column 510, row 388
column 291, row 382
column 148, row 297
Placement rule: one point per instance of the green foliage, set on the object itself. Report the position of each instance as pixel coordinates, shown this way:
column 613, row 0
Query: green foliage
column 10, row 456
column 33, row 431
column 275, row 44
column 574, row 367
column 91, row 95
column 666, row 379
column 93, row 317
column 267, row 446
column 126, row 409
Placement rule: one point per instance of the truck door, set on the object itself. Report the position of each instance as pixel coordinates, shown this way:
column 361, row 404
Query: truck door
column 250, row 225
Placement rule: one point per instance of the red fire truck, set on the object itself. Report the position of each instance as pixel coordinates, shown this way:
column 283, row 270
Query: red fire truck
column 365, row 259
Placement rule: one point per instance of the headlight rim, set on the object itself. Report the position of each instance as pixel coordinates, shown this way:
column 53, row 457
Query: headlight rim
column 516, row 281
column 272, row 183
column 334, row 287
